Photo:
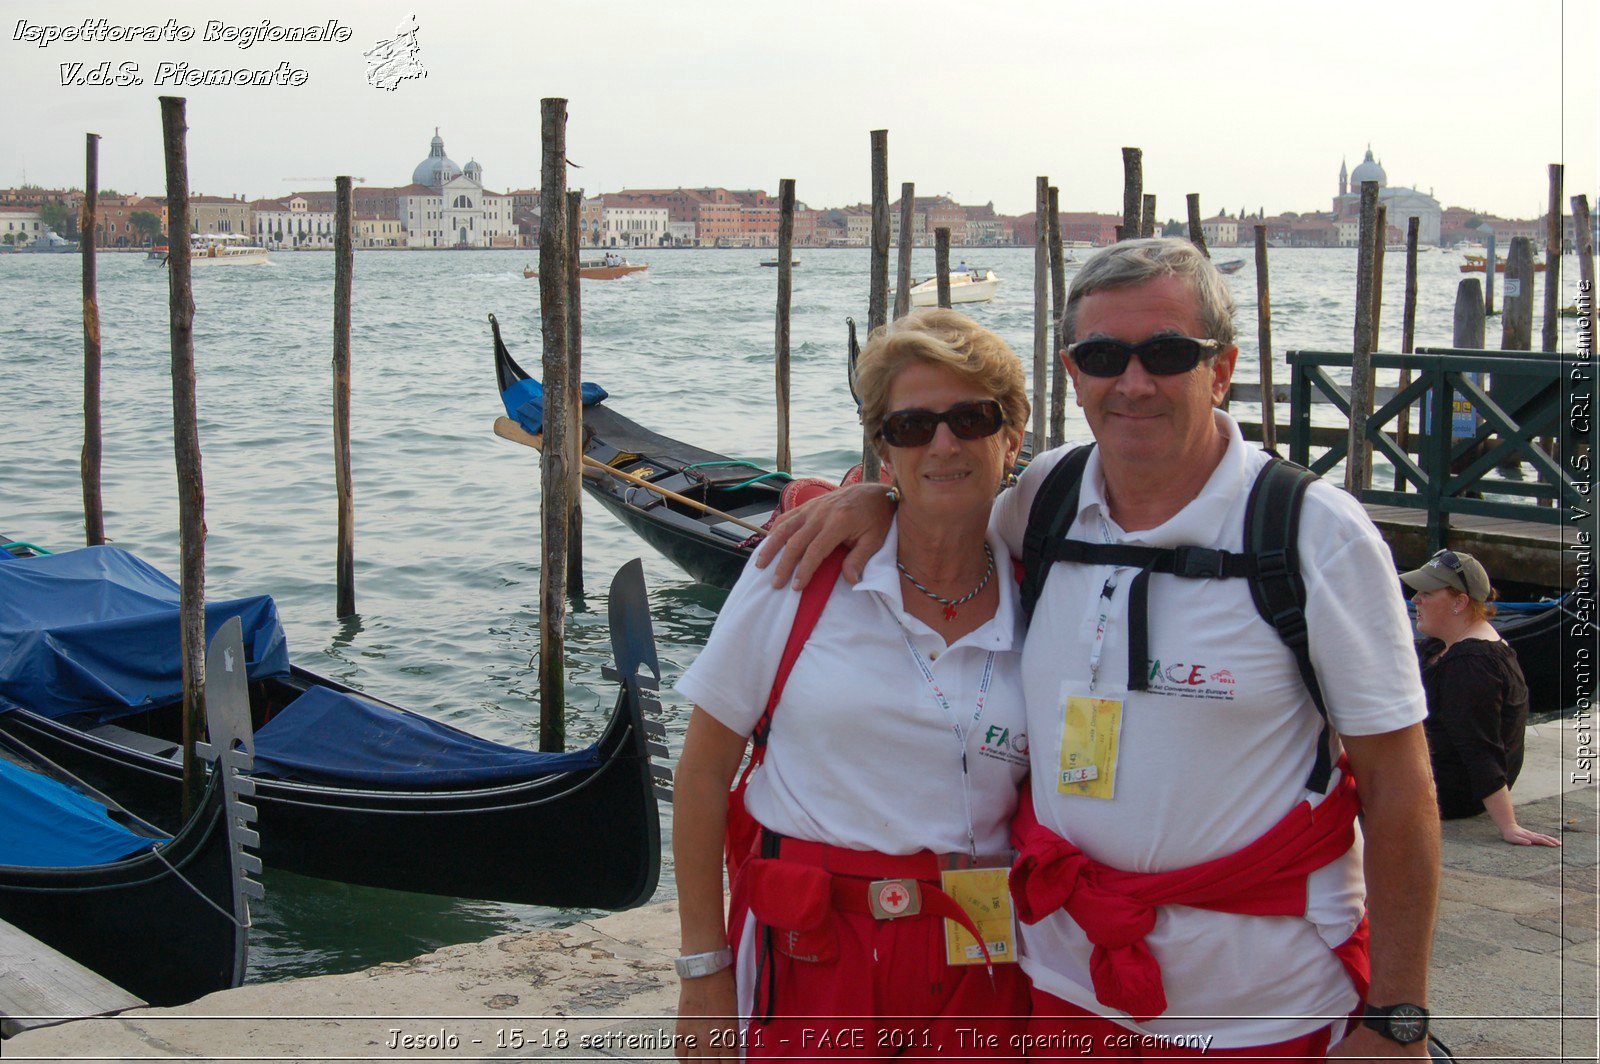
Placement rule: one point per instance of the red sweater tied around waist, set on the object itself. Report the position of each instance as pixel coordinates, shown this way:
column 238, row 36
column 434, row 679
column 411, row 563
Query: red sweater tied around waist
column 1117, row 909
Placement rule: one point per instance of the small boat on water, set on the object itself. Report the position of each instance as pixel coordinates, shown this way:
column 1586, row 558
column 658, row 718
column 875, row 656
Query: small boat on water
column 599, row 269
column 1480, row 264
column 1230, row 266
column 164, row 917
column 966, row 286
column 348, row 787
column 49, row 242
column 215, row 249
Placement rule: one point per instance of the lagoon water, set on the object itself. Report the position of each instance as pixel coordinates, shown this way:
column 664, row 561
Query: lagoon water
column 447, row 536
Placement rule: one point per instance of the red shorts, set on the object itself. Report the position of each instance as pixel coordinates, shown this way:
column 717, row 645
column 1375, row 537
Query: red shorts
column 1060, row 1030
column 879, row 989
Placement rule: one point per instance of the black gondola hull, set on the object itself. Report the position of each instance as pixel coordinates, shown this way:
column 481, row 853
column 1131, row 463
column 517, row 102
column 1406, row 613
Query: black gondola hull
column 587, row 838
column 158, row 925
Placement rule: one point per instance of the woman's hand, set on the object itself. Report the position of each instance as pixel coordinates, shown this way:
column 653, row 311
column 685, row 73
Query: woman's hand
column 1517, row 835
column 858, row 515
column 708, row 1018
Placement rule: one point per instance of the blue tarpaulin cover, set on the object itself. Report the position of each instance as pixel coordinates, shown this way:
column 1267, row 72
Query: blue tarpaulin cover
column 330, row 737
column 50, row 825
column 96, row 631
column 525, row 402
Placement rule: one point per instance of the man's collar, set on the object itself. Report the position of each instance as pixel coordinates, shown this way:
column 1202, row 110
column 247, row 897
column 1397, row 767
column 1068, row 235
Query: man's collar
column 1201, row 520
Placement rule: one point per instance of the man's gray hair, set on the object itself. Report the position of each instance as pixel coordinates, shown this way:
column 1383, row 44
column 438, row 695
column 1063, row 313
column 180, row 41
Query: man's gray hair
column 1135, row 262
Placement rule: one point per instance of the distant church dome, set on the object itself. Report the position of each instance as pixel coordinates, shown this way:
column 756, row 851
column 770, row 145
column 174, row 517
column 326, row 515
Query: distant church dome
column 1368, row 170
column 437, row 168
column 474, row 171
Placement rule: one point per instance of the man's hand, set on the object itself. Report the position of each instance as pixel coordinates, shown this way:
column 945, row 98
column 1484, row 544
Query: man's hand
column 708, row 1018
column 858, row 515
column 1364, row 1043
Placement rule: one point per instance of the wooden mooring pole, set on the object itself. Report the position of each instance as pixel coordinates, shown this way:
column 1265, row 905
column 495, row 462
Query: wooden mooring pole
column 186, row 448
column 556, row 480
column 343, row 283
column 1489, row 273
column 1516, row 300
column 1147, row 219
column 575, row 393
column 1132, row 192
column 1358, row 468
column 1058, row 305
column 1269, row 420
column 902, row 273
column 94, row 516
column 1408, row 338
column 780, row 358
column 1380, row 243
column 1550, row 336
column 1467, row 326
column 1197, row 233
column 878, row 295
column 1582, row 229
column 941, row 264
column 1041, row 310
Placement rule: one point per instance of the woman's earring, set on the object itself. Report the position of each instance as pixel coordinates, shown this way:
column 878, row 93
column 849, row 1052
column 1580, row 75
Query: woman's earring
column 893, row 494
column 1009, row 480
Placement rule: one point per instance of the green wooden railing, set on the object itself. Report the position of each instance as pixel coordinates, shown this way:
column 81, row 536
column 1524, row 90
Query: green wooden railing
column 1529, row 399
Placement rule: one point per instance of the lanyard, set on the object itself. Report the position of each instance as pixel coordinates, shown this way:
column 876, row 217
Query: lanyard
column 960, row 732
column 1107, row 602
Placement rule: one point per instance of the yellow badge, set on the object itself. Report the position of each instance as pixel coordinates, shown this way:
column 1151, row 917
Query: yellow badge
column 1089, row 741
column 982, row 894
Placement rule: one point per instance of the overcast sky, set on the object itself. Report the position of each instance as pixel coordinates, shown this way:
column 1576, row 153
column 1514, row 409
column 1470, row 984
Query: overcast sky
column 1250, row 103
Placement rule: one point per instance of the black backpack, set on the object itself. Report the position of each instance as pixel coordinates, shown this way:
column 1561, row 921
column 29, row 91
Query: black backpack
column 1269, row 560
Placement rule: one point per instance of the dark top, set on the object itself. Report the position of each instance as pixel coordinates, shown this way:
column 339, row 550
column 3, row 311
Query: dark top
column 1477, row 710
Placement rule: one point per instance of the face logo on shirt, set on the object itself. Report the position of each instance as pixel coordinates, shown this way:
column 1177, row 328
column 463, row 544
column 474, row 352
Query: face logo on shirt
column 1003, row 744
column 1191, row 680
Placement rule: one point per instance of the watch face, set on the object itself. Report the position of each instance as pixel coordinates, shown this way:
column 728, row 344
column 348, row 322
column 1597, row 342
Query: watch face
column 1408, row 1024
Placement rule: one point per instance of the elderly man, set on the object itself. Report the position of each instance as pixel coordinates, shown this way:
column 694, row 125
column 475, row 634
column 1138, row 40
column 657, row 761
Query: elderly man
column 1191, row 874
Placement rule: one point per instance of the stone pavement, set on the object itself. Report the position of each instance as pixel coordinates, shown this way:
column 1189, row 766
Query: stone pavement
column 1514, row 953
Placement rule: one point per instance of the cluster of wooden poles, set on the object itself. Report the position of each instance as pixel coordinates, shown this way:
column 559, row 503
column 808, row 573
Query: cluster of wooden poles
column 185, row 415
column 1473, row 304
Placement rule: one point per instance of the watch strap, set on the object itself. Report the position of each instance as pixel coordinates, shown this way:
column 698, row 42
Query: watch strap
column 1403, row 1023
column 700, row 965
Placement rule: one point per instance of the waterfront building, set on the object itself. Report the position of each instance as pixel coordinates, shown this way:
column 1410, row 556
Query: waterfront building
column 301, row 222
column 374, row 232
column 219, row 214
column 1402, row 203
column 447, row 206
column 20, row 225
column 1220, row 231
column 628, row 225
column 113, row 221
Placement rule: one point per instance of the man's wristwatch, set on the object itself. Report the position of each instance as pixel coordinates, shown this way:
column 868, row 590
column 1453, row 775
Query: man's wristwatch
column 699, row 965
column 1404, row 1023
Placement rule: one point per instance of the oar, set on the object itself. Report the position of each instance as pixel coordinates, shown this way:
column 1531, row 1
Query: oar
column 507, row 429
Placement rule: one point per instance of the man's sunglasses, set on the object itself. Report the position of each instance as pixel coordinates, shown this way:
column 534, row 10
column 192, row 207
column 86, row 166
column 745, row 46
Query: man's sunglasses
column 1161, row 356
column 973, row 420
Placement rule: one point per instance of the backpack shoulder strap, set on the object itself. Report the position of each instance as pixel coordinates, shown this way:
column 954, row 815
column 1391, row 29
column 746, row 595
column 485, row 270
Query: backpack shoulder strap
column 1271, row 533
column 813, row 600
column 1054, row 509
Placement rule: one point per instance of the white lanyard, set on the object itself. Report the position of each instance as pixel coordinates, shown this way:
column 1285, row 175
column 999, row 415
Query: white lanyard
column 939, row 698
column 1108, row 595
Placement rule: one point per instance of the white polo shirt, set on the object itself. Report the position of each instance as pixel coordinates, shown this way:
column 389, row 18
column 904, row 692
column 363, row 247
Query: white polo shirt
column 861, row 755
column 1218, row 749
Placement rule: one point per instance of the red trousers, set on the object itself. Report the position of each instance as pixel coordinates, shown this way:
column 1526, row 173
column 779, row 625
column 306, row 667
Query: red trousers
column 1060, row 1030
column 858, row 987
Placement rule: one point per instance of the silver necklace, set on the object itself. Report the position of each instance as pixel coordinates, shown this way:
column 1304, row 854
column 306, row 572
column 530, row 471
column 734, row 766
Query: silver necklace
column 950, row 605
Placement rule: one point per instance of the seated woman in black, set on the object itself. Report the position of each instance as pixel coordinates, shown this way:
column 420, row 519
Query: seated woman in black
column 1477, row 697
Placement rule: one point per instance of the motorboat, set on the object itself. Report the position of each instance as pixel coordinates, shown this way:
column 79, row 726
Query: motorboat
column 967, row 286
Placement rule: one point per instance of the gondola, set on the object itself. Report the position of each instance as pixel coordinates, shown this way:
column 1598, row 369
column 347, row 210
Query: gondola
column 707, row 546
column 163, row 917
column 349, row 787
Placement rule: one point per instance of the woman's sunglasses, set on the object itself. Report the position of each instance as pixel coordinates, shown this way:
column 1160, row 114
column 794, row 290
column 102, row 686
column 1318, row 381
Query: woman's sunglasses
column 1161, row 356
column 973, row 420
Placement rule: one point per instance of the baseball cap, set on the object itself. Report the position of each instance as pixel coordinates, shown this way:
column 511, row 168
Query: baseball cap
column 1452, row 569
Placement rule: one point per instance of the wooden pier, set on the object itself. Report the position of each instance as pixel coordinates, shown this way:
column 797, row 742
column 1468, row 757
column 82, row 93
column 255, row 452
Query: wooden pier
column 1465, row 487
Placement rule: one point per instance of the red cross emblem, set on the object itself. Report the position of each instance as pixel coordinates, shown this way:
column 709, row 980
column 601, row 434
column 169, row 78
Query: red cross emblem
column 894, row 897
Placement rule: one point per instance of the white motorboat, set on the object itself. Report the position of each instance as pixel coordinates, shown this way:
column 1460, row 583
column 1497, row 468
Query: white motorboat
column 972, row 286
column 217, row 249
